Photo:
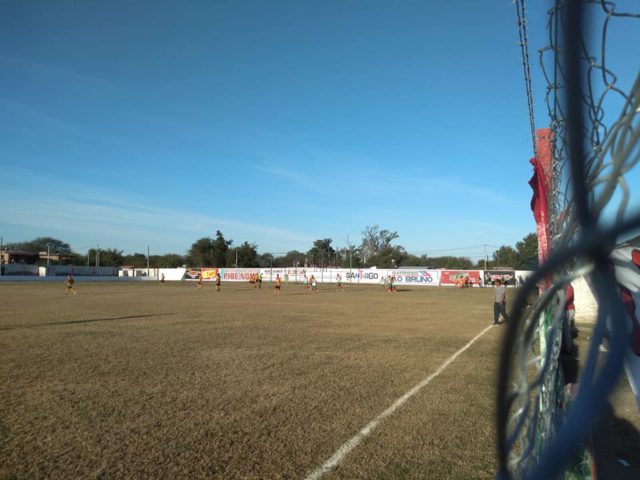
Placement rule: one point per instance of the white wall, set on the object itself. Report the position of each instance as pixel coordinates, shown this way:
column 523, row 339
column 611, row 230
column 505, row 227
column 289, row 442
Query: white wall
column 81, row 270
column 20, row 269
column 585, row 302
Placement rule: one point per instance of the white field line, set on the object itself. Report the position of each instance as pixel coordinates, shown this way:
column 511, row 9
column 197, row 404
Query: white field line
column 353, row 442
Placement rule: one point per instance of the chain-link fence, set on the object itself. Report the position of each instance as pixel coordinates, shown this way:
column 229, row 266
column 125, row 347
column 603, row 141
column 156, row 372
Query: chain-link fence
column 542, row 425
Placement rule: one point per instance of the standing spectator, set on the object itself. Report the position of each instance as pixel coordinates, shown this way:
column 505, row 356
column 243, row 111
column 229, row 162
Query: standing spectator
column 568, row 324
column 500, row 303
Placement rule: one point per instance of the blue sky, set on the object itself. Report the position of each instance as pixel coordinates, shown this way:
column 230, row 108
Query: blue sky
column 127, row 124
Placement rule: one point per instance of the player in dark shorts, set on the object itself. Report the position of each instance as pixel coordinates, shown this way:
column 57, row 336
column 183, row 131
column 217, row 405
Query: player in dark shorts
column 339, row 283
column 278, row 285
column 70, row 282
column 218, row 281
column 199, row 281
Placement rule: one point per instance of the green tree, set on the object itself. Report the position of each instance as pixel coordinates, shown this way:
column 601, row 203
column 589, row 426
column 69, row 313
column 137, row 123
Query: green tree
column 111, row 257
column 209, row 252
column 374, row 240
column 388, row 257
column 266, row 260
column 220, row 249
column 321, row 251
column 376, row 248
column 349, row 257
column 416, row 261
column 40, row 244
column 138, row 260
column 291, row 259
column 201, row 253
column 246, row 254
column 527, row 253
column 505, row 257
column 456, row 263
column 168, row 260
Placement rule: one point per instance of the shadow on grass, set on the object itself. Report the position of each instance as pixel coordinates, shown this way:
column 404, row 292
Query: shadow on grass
column 616, row 447
column 615, row 442
column 89, row 320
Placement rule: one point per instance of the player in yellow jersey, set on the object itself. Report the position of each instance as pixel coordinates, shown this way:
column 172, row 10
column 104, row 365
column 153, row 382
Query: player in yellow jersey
column 70, row 282
column 199, row 281
column 218, row 281
column 278, row 285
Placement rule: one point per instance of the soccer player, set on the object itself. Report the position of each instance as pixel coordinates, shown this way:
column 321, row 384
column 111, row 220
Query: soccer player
column 392, row 283
column 278, row 284
column 314, row 284
column 162, row 279
column 306, row 282
column 70, row 282
column 286, row 279
column 339, row 283
column 500, row 303
column 218, row 281
column 199, row 281
column 260, row 281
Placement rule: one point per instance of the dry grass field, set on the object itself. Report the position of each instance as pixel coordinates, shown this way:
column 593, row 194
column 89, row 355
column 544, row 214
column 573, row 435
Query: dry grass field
column 142, row 381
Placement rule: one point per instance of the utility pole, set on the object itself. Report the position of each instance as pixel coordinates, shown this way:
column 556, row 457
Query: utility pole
column 236, row 258
column 1, row 255
column 147, row 261
column 97, row 256
column 485, row 256
column 48, row 254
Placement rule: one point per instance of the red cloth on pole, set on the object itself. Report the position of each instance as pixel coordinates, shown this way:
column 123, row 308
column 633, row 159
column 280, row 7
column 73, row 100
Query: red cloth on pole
column 541, row 183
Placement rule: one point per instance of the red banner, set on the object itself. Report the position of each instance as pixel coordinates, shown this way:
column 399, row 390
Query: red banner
column 540, row 183
column 453, row 277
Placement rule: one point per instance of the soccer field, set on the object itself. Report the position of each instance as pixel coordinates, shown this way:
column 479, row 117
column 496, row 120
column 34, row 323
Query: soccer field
column 131, row 380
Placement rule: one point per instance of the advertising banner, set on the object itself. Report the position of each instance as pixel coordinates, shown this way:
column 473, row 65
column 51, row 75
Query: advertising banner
column 626, row 261
column 417, row 277
column 191, row 273
column 209, row 273
column 453, row 277
column 508, row 277
column 238, row 274
column 368, row 276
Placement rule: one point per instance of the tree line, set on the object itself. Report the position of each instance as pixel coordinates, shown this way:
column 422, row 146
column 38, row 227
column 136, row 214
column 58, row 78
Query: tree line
column 376, row 248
